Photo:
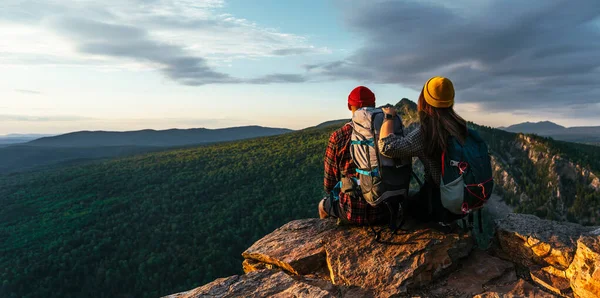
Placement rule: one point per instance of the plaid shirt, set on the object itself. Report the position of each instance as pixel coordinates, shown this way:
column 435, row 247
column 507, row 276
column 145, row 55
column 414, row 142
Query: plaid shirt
column 412, row 145
column 338, row 161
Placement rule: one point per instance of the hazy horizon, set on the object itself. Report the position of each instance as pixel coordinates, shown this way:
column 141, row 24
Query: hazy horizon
column 223, row 127
column 130, row 65
column 17, row 134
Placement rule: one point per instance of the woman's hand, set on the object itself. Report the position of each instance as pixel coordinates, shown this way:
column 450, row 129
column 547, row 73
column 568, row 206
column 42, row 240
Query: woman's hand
column 389, row 110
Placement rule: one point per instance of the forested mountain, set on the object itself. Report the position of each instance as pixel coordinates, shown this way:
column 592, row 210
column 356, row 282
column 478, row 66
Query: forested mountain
column 155, row 138
column 551, row 179
column 164, row 222
column 19, row 157
column 89, row 145
column 339, row 122
column 148, row 225
column 581, row 134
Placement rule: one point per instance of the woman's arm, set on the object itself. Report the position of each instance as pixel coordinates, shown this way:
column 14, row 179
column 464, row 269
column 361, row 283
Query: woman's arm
column 395, row 146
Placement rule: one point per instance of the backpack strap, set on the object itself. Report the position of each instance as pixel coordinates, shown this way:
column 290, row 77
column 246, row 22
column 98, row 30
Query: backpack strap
column 417, row 178
column 470, row 216
column 375, row 232
column 443, row 162
column 393, row 216
column 368, row 142
column 335, row 192
column 480, row 220
column 372, row 173
column 393, row 224
column 429, row 201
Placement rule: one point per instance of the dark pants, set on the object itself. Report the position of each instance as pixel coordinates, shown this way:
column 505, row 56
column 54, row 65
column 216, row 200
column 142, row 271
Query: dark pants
column 334, row 210
column 426, row 206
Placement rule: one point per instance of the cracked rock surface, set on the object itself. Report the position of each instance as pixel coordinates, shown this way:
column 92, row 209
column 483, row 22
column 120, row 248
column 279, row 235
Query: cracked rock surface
column 317, row 258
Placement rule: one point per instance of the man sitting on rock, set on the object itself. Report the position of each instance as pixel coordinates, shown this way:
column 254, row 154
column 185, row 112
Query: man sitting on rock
column 338, row 163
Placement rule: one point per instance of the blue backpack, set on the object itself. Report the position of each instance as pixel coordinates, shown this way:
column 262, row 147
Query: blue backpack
column 466, row 182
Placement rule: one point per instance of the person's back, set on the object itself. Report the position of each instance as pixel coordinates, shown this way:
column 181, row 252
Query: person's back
column 338, row 164
column 440, row 126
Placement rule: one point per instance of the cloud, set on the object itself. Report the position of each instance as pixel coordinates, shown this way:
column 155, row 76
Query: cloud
column 43, row 118
column 506, row 55
column 182, row 38
column 130, row 42
column 279, row 78
column 122, row 41
column 27, row 91
column 297, row 51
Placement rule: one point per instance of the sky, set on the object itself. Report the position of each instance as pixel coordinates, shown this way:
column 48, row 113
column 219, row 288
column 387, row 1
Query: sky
column 69, row 65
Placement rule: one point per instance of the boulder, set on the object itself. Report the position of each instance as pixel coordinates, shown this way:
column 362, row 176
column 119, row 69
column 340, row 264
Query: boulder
column 478, row 270
column 553, row 280
column 354, row 258
column 529, row 240
column 520, row 288
column 561, row 257
column 297, row 247
column 413, row 258
column 261, row 283
column 584, row 271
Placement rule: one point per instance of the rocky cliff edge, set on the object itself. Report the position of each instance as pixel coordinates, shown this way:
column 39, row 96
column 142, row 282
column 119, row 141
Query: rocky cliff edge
column 530, row 257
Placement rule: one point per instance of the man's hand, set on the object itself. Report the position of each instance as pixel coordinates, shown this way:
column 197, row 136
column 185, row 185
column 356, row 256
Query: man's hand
column 389, row 109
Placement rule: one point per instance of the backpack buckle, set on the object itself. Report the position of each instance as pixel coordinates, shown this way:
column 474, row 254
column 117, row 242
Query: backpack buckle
column 454, row 163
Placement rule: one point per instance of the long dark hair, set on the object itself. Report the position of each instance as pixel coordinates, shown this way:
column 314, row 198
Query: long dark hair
column 437, row 124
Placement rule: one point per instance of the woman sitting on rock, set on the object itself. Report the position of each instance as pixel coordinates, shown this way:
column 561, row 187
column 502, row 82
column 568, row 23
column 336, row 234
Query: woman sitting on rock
column 438, row 121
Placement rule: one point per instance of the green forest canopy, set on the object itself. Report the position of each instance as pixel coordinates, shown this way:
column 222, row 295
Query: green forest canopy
column 153, row 224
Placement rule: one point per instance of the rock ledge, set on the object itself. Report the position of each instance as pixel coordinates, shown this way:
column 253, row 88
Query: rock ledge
column 317, row 258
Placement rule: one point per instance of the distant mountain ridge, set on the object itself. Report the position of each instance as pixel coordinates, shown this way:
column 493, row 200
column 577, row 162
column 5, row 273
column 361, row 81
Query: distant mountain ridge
column 25, row 135
column 155, row 138
column 581, row 134
column 86, row 146
column 535, row 126
column 9, row 139
column 338, row 122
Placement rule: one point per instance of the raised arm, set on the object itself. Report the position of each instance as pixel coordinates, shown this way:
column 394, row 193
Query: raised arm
column 387, row 127
column 395, row 146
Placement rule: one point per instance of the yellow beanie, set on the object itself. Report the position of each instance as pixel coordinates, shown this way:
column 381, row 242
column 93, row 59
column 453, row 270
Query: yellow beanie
column 439, row 92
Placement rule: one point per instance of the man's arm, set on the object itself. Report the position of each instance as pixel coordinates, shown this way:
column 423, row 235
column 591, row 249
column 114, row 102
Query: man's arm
column 387, row 127
column 331, row 165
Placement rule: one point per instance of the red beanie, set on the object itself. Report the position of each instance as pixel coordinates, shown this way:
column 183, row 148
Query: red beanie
column 361, row 96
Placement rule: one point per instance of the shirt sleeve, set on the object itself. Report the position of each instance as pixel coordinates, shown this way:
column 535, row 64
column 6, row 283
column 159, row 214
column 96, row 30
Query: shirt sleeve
column 331, row 168
column 395, row 146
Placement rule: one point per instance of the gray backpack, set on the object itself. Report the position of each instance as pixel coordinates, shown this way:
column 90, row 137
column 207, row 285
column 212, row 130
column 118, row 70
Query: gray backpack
column 381, row 179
